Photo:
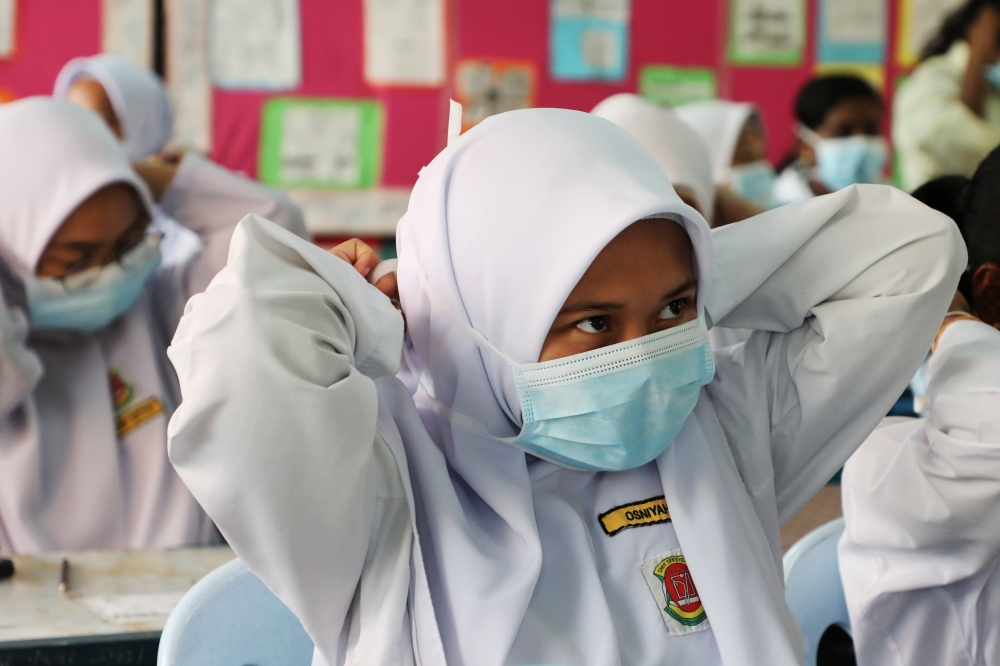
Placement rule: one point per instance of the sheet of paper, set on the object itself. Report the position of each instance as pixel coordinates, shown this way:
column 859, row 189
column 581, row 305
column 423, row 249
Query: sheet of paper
column 132, row 608
column 8, row 28
column 852, row 31
column 767, row 32
column 589, row 39
column 371, row 212
column 404, row 42
column 486, row 86
column 671, row 86
column 919, row 20
column 255, row 44
column 187, row 74
column 320, row 142
column 127, row 30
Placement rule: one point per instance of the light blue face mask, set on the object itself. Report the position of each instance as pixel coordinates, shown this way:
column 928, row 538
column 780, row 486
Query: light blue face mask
column 92, row 299
column 845, row 161
column 754, row 181
column 611, row 409
column 992, row 74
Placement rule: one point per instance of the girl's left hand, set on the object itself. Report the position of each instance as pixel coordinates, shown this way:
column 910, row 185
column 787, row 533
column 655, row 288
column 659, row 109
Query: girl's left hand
column 364, row 259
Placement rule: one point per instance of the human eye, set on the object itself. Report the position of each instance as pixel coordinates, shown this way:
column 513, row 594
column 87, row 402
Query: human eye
column 674, row 309
column 597, row 324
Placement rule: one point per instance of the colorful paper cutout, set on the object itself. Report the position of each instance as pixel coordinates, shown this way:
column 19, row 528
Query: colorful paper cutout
column 672, row 86
column 852, row 31
column 589, row 39
column 486, row 86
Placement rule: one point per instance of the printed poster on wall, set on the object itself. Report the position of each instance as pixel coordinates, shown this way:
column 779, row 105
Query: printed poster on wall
column 873, row 74
column 918, row 21
column 255, row 44
column 767, row 32
column 485, row 87
column 320, row 142
column 589, row 39
column 852, row 31
column 187, row 74
column 404, row 42
column 127, row 30
column 8, row 29
column 672, row 86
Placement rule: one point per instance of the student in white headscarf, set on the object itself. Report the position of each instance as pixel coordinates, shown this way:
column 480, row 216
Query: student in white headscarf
column 681, row 153
column 921, row 547
column 134, row 103
column 85, row 385
column 736, row 141
column 561, row 488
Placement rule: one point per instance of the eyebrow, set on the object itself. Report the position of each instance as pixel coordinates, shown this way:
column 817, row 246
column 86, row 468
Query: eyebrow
column 591, row 306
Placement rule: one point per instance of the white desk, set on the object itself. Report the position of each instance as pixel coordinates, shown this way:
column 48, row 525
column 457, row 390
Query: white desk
column 34, row 616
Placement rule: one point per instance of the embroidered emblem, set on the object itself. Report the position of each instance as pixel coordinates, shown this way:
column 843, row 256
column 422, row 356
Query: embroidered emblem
column 133, row 417
column 645, row 512
column 121, row 391
column 669, row 579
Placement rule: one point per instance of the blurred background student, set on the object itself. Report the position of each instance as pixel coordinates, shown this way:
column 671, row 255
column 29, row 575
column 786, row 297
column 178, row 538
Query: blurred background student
column 920, row 553
column 736, row 141
column 86, row 389
column 837, row 139
column 946, row 116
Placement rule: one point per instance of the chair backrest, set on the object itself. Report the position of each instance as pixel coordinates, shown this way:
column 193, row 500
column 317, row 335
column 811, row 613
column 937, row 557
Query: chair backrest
column 813, row 587
column 230, row 618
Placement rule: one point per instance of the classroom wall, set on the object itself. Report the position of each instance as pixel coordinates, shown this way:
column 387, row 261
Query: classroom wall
column 677, row 32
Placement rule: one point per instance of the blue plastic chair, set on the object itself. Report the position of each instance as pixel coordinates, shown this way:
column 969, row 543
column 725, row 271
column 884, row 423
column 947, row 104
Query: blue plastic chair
column 230, row 618
column 813, row 587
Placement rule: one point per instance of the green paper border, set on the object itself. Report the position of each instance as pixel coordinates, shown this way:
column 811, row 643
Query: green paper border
column 779, row 59
column 369, row 141
column 689, row 73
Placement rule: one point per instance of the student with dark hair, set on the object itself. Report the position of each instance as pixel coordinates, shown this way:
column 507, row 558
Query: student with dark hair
column 837, row 139
column 920, row 555
column 946, row 117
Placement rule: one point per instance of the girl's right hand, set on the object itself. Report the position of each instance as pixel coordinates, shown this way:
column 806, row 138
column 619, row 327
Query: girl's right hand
column 364, row 259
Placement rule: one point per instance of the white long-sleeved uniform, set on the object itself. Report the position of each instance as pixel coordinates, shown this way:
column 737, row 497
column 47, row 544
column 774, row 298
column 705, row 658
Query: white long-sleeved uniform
column 83, row 465
column 921, row 547
column 327, row 481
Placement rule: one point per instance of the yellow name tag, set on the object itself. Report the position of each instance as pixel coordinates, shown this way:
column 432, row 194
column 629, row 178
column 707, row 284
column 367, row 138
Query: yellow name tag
column 133, row 417
column 636, row 514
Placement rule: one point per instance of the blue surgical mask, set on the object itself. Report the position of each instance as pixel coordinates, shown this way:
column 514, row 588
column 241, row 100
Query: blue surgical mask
column 754, row 181
column 617, row 407
column 849, row 160
column 92, row 299
column 992, row 74
column 611, row 409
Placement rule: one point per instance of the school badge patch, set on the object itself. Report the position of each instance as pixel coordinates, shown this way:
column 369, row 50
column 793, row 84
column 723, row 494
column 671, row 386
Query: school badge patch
column 669, row 579
column 128, row 417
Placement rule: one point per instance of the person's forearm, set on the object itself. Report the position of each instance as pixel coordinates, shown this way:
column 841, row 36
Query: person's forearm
column 974, row 86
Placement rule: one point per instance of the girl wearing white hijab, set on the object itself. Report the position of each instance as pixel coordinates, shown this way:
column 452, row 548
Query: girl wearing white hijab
column 517, row 512
column 735, row 138
column 85, row 385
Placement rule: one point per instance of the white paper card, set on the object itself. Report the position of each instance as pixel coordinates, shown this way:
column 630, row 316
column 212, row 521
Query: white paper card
column 926, row 17
column 187, row 74
column 320, row 144
column 132, row 608
column 127, row 30
column 371, row 212
column 404, row 42
column 255, row 44
column 855, row 21
column 765, row 27
column 8, row 25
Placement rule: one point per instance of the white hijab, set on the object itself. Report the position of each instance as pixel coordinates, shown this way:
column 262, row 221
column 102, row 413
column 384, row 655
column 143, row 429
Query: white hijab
column 57, row 155
column 500, row 227
column 137, row 95
column 719, row 123
column 678, row 150
column 68, row 480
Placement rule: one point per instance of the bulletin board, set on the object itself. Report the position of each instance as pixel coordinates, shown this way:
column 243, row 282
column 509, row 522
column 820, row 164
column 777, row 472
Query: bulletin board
column 673, row 47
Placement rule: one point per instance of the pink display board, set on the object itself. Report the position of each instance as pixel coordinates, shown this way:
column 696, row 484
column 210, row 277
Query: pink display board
column 673, row 32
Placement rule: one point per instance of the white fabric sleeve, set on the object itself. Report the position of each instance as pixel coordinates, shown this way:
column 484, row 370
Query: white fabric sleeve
column 930, row 112
column 210, row 200
column 846, row 293
column 276, row 361
column 934, row 492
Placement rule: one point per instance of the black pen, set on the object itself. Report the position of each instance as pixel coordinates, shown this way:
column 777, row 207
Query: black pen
column 64, row 577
